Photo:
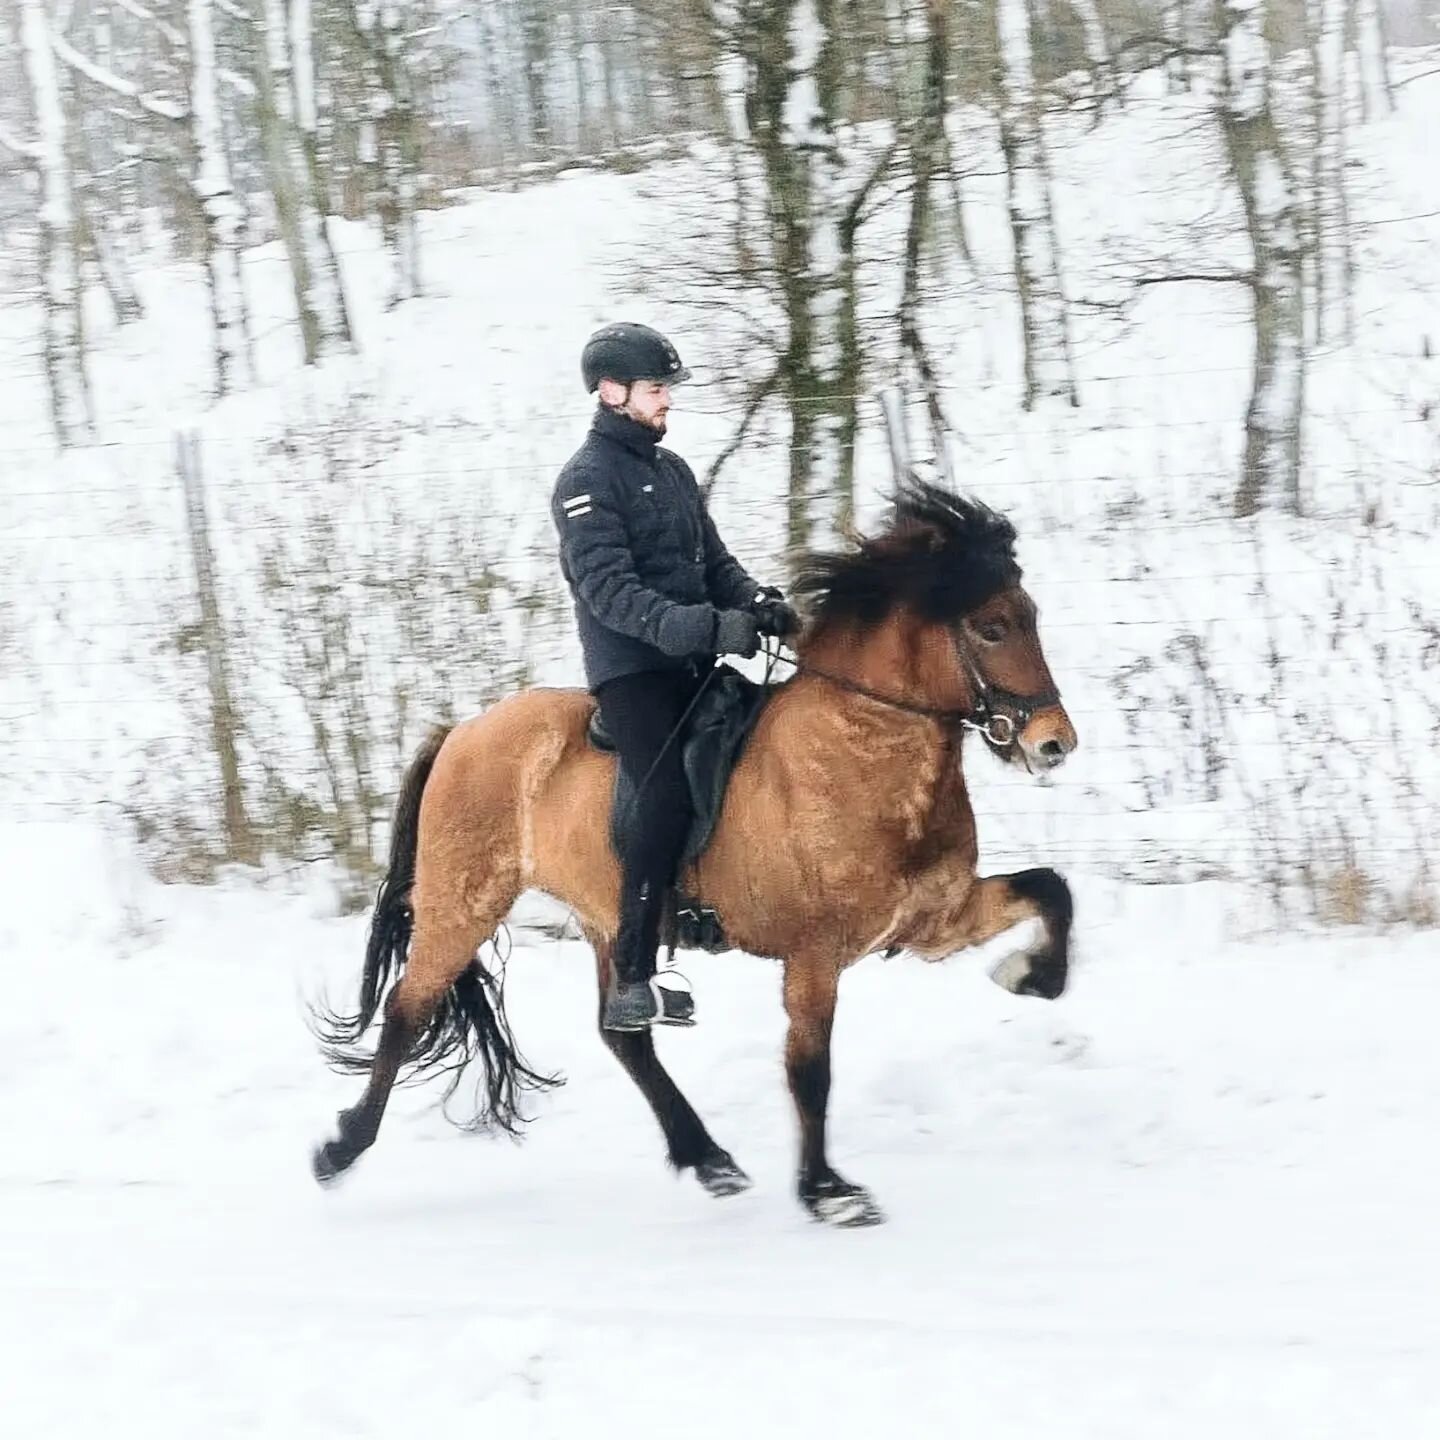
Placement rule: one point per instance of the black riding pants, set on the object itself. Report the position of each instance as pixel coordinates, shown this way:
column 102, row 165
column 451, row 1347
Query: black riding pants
column 641, row 712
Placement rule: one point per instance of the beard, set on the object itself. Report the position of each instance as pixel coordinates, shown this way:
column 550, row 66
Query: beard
column 655, row 423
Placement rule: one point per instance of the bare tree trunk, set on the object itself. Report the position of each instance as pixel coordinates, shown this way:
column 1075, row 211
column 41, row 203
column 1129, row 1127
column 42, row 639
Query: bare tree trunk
column 283, row 165
column 1097, row 54
column 240, row 843
column 735, row 44
column 99, row 198
column 215, row 194
column 1333, row 262
column 926, row 146
column 614, row 121
column 502, row 111
column 1177, row 30
column 329, row 284
column 1377, row 93
column 391, row 150
column 641, row 96
column 1277, row 400
column 64, row 343
column 578, row 45
column 795, row 119
column 535, row 30
column 1044, row 311
column 98, row 236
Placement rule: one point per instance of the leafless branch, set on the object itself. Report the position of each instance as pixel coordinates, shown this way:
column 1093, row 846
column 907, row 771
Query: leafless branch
column 133, row 7
column 17, row 147
column 107, row 79
column 758, row 397
column 1232, row 277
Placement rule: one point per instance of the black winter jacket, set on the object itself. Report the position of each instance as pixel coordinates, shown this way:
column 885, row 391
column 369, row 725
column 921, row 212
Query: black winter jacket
column 640, row 553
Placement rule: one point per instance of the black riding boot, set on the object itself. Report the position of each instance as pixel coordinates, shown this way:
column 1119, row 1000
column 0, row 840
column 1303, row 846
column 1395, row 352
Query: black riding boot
column 634, row 1001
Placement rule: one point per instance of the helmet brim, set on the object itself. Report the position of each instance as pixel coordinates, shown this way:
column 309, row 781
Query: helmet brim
column 681, row 377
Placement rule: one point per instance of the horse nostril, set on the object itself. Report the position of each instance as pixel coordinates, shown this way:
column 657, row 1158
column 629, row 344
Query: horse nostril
column 1052, row 752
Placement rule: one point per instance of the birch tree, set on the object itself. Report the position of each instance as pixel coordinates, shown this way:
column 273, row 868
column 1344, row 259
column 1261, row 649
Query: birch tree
column 64, row 337
column 1044, row 312
column 925, row 145
column 535, row 33
column 1176, row 21
column 1333, row 257
column 1273, row 420
column 1368, row 39
column 314, row 273
column 1097, row 54
column 105, row 193
column 302, row 57
column 210, row 179
column 793, row 112
column 215, row 192
column 390, row 148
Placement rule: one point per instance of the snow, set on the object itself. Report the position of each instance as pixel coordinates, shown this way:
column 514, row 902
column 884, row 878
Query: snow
column 1197, row 1193
column 1195, row 1197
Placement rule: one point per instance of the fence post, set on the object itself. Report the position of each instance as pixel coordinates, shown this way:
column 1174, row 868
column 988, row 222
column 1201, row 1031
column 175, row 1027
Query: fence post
column 240, row 842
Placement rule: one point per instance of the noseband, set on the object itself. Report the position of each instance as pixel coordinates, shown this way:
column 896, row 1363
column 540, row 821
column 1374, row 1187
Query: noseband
column 994, row 705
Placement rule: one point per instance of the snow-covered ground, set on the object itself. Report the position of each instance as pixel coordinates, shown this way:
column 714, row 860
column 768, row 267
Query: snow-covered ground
column 1196, row 1197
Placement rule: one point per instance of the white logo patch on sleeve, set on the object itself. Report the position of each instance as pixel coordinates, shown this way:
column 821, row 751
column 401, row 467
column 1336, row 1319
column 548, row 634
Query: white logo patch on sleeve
column 576, row 506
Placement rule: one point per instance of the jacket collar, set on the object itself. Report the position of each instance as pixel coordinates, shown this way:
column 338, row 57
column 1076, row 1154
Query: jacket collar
column 625, row 431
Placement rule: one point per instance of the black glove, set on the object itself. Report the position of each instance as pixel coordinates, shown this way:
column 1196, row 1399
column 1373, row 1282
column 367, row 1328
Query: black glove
column 736, row 633
column 772, row 615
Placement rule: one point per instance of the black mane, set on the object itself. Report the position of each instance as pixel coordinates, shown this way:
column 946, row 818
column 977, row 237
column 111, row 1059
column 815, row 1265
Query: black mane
column 942, row 556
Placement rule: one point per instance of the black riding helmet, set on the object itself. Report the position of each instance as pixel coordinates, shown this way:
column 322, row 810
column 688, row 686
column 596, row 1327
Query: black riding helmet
column 627, row 353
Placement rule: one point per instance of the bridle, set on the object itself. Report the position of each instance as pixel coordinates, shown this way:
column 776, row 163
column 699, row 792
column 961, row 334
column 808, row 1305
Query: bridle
column 996, row 713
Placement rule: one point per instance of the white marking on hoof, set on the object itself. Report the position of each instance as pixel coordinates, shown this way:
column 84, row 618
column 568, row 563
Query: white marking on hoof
column 848, row 1211
column 727, row 1183
column 1012, row 972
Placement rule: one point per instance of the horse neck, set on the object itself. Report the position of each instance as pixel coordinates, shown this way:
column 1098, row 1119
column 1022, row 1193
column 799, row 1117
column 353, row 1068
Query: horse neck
column 899, row 658
column 905, row 767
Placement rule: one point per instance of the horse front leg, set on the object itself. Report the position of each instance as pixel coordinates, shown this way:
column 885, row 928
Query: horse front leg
column 811, row 986
column 998, row 903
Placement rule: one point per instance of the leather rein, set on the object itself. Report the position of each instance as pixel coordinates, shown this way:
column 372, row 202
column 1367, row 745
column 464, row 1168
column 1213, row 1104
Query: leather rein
column 996, row 713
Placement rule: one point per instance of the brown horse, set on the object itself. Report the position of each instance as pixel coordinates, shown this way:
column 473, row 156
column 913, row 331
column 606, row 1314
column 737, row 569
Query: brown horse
column 846, row 830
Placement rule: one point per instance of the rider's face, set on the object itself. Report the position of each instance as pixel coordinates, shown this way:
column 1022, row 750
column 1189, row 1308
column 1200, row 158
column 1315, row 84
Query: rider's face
column 649, row 401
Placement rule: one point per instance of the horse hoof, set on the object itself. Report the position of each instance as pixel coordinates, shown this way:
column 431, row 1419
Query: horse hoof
column 721, row 1176
column 847, row 1207
column 328, row 1162
column 1037, row 975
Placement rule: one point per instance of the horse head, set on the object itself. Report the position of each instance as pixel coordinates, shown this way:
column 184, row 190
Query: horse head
column 936, row 602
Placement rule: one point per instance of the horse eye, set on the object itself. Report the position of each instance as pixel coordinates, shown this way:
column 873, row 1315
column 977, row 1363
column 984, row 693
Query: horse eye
column 992, row 633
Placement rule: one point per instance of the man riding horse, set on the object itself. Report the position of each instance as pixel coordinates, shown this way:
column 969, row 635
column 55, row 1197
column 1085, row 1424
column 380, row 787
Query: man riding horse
column 917, row 636
column 657, row 598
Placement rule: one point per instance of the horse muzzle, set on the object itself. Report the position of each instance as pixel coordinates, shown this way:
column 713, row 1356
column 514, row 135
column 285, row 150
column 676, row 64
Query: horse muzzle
column 1048, row 740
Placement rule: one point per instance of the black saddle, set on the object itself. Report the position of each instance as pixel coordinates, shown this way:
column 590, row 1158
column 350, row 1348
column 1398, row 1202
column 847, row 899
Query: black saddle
column 711, row 745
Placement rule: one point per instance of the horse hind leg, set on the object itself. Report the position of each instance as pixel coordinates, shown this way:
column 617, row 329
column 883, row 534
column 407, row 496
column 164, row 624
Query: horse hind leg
column 688, row 1143
column 445, row 1010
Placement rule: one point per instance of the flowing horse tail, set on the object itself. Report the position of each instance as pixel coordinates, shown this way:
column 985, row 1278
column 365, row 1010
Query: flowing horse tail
column 469, row 1021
